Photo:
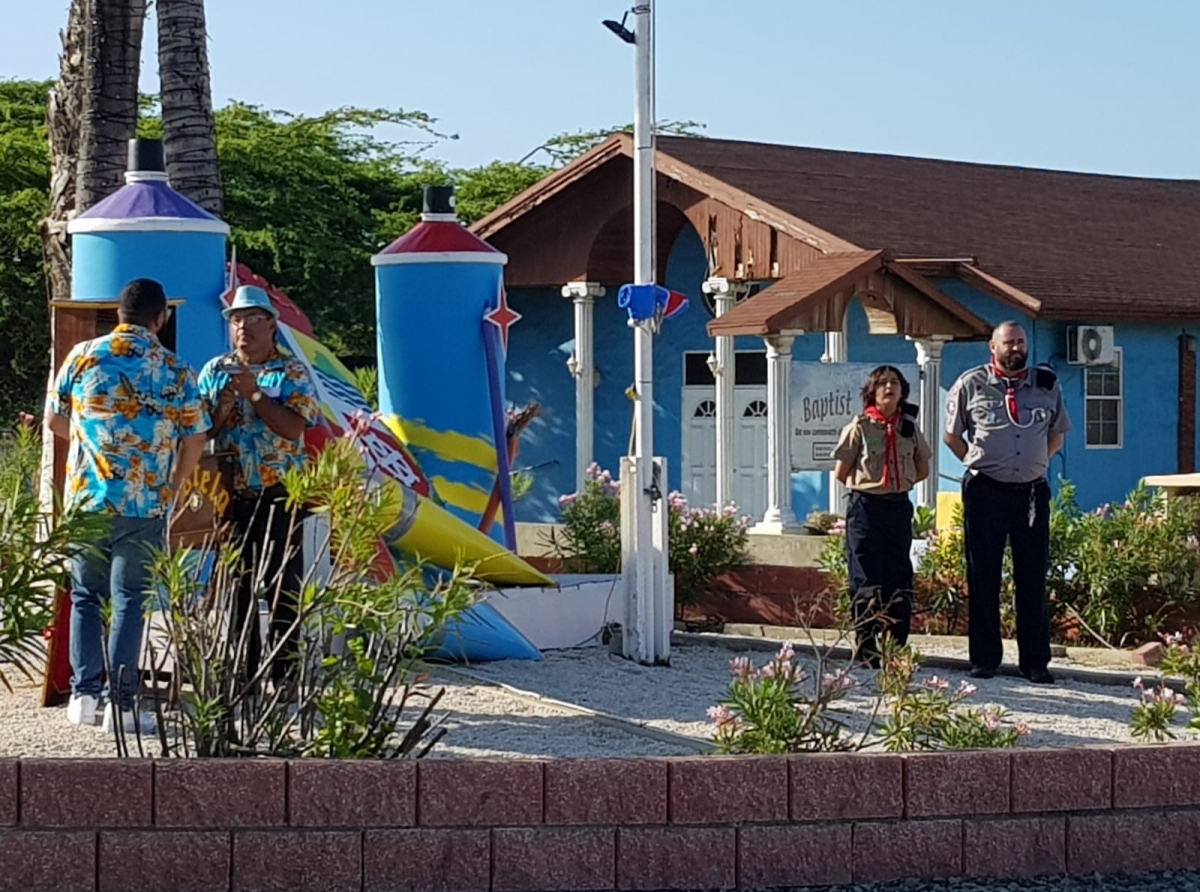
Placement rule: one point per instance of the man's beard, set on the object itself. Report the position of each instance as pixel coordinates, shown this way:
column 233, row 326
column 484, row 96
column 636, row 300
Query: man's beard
column 1014, row 362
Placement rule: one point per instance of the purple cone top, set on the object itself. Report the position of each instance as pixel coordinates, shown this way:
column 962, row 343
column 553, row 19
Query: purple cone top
column 147, row 203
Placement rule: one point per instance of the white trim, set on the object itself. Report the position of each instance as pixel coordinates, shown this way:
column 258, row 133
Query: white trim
column 439, row 257
column 1119, row 399
column 145, row 176
column 147, row 224
column 440, row 218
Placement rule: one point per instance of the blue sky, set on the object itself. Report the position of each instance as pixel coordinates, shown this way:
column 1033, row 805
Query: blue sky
column 1094, row 85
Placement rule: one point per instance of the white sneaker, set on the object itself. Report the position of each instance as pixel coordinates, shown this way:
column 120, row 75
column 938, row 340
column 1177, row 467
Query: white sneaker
column 132, row 721
column 82, row 709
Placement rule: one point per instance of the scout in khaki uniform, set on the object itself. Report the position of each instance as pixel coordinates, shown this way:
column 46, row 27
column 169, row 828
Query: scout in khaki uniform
column 880, row 456
column 1015, row 420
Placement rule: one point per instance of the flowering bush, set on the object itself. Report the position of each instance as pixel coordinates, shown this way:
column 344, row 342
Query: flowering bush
column 703, row 543
column 780, row 708
column 1155, row 713
column 931, row 715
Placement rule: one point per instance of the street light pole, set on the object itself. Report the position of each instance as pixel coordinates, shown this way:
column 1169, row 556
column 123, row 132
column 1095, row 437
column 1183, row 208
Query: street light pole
column 649, row 601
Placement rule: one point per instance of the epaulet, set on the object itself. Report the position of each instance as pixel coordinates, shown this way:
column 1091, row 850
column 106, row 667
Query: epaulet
column 1044, row 377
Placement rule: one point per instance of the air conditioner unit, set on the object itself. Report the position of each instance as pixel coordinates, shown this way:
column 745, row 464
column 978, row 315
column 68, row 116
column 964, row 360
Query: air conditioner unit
column 1090, row 345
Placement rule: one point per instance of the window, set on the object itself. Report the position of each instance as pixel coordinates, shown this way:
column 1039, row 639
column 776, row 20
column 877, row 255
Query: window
column 707, row 409
column 756, row 409
column 750, row 368
column 1104, row 404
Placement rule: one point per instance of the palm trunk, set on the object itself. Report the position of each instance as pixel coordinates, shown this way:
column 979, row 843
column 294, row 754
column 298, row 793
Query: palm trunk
column 62, row 122
column 189, row 136
column 109, row 105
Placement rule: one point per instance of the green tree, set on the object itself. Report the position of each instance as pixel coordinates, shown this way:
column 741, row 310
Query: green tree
column 24, row 178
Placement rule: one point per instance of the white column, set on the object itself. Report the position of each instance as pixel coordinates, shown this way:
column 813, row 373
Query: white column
column 582, row 365
column 837, row 349
column 725, row 294
column 779, row 517
column 929, row 358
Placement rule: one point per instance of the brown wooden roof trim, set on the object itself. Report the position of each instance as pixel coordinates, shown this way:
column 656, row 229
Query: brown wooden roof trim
column 999, row 289
column 548, row 187
column 622, row 144
column 776, row 308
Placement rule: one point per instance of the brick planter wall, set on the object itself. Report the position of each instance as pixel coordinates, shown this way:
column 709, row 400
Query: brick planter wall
column 702, row 823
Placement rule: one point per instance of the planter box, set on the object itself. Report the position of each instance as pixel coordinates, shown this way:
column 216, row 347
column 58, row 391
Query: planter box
column 569, row 616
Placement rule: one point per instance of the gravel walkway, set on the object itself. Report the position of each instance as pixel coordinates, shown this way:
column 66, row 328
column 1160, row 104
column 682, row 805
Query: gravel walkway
column 676, row 698
column 483, row 720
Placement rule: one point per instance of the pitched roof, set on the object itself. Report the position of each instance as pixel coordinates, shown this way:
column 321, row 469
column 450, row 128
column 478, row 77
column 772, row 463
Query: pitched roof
column 814, row 298
column 1081, row 245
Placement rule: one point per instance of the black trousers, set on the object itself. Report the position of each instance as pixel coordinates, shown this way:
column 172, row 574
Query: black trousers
column 995, row 513
column 878, row 545
column 272, row 568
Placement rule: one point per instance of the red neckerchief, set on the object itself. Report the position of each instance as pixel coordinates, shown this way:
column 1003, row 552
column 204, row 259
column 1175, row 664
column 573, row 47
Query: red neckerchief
column 891, row 456
column 1010, row 395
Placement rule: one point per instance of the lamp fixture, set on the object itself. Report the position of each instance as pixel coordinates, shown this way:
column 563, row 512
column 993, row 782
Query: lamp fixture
column 714, row 365
column 619, row 29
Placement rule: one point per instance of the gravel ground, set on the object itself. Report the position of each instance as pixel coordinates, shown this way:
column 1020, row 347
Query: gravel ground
column 676, row 698
column 484, row 720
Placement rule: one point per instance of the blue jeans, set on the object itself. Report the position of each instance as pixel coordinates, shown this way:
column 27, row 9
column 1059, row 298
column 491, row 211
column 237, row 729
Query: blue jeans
column 118, row 571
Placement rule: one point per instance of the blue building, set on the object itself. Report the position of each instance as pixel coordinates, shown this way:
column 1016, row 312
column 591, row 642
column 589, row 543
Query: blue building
column 808, row 255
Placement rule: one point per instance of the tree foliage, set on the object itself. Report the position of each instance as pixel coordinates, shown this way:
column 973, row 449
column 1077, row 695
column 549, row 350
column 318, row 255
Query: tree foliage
column 309, row 200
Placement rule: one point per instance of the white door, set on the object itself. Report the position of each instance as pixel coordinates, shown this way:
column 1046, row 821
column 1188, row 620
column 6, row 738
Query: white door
column 699, row 458
column 750, row 451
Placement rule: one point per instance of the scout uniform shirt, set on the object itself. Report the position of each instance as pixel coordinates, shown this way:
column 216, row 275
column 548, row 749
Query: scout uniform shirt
column 263, row 456
column 862, row 445
column 129, row 400
column 1006, row 449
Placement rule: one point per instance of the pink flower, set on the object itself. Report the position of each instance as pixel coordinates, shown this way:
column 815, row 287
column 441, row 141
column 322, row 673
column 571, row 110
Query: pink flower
column 26, row 419
column 839, row 681
column 966, row 689
column 934, row 683
column 739, row 667
column 720, row 714
column 1022, row 729
column 569, row 499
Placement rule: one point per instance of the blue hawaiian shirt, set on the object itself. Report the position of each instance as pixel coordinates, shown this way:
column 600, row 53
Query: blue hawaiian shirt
column 129, row 400
column 263, row 457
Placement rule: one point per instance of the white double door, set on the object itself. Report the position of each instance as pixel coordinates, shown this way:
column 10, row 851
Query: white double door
column 699, row 458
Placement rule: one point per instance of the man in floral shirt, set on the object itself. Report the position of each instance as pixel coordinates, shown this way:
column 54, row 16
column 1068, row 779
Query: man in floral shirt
column 132, row 412
column 262, row 402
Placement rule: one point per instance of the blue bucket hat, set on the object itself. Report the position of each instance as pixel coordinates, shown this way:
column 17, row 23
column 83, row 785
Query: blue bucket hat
column 250, row 297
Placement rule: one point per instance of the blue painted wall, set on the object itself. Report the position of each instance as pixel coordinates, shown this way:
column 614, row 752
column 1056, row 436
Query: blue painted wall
column 542, row 342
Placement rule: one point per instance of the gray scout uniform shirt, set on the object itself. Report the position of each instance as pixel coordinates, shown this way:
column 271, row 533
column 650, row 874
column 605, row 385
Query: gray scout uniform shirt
column 1004, row 451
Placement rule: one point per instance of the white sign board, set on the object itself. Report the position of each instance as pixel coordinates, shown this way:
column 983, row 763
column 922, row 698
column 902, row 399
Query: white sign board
column 825, row 397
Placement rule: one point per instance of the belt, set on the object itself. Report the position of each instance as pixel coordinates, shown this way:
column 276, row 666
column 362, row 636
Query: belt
column 1002, row 484
column 882, row 496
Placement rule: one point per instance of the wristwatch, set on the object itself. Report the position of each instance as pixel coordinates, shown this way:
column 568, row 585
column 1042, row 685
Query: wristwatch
column 256, row 396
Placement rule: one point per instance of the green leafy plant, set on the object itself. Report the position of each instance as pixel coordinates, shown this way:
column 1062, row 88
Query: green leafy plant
column 34, row 552
column 784, row 707
column 703, row 543
column 819, row 521
column 1154, row 715
column 358, row 692
column 924, row 521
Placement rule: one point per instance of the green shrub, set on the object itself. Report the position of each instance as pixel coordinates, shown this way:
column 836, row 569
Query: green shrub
column 702, row 543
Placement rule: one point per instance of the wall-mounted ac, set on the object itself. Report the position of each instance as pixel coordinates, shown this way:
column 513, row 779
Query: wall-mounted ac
column 1090, row 344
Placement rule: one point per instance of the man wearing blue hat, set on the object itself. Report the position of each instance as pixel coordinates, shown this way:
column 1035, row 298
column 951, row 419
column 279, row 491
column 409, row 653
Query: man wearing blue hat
column 261, row 403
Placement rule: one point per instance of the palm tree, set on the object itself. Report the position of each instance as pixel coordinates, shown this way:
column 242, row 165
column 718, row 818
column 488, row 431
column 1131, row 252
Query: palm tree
column 109, row 97
column 189, row 137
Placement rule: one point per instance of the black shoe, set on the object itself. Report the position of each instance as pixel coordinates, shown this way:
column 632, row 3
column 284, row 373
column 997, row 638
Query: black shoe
column 1038, row 676
column 980, row 672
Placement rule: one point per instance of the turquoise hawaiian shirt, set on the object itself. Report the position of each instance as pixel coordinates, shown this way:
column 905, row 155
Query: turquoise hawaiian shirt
column 129, row 400
column 263, row 457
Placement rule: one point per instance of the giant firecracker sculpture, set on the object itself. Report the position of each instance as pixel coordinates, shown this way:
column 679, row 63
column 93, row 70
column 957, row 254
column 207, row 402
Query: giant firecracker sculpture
column 147, row 229
column 443, row 324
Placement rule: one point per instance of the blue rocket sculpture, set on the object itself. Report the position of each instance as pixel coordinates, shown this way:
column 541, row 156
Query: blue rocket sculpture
column 443, row 322
column 147, row 229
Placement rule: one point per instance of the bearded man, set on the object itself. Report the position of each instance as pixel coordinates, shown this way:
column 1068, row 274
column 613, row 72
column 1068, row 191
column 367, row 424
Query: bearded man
column 1015, row 420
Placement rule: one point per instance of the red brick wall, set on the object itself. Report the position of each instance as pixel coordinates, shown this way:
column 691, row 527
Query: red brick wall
column 702, row 823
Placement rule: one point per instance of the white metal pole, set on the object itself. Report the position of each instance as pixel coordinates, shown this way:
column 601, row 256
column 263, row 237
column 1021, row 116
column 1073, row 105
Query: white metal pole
column 646, row 561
